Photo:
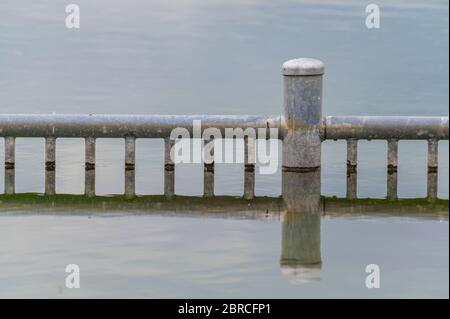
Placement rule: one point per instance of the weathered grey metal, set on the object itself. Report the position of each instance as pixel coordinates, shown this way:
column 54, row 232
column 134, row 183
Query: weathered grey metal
column 302, row 119
column 50, row 166
column 50, row 182
column 385, row 127
column 432, row 159
column 10, row 181
column 130, row 164
column 392, row 155
column 301, row 191
column 89, row 183
column 432, row 186
column 352, row 185
column 392, row 185
column 208, row 169
column 50, row 153
column 169, row 168
column 432, row 162
column 121, row 126
column 249, row 171
column 89, row 175
column 208, row 182
column 249, row 184
column 352, row 154
column 130, row 152
column 392, row 164
column 10, row 152
column 301, row 127
column 160, row 126
column 352, row 165
column 10, row 162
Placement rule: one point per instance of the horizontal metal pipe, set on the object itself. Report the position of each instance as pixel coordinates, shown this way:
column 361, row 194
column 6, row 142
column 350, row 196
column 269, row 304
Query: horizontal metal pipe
column 118, row 126
column 161, row 126
column 386, row 127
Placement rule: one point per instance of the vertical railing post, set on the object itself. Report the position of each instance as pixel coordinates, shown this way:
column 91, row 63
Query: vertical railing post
column 10, row 165
column 392, row 161
column 432, row 176
column 169, row 168
column 130, row 166
column 352, row 169
column 89, row 179
column 302, row 114
column 50, row 166
column 249, row 171
column 208, row 169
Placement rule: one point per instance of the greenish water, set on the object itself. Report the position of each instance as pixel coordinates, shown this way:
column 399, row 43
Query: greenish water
column 219, row 57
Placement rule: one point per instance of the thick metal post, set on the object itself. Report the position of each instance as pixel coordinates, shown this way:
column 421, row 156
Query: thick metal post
column 130, row 165
column 392, row 176
column 50, row 166
column 10, row 164
column 89, row 182
column 302, row 114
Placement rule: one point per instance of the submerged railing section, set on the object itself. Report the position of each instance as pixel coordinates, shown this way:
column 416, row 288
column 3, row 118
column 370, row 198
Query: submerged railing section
column 301, row 127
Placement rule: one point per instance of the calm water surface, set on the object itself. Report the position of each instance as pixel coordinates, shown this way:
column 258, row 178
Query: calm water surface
column 219, row 57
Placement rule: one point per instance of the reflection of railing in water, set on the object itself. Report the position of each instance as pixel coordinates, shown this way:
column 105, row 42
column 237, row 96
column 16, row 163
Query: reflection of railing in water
column 222, row 206
column 300, row 257
column 301, row 127
column 217, row 206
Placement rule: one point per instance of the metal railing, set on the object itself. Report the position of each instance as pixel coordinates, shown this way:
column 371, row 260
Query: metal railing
column 302, row 128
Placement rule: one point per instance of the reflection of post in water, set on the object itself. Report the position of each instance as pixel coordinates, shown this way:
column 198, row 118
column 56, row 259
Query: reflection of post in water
column 300, row 251
column 300, row 242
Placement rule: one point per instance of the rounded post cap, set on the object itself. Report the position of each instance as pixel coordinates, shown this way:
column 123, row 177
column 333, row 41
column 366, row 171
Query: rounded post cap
column 303, row 66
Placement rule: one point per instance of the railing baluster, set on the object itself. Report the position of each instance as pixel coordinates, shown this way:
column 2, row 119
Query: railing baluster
column 130, row 165
column 432, row 178
column 10, row 165
column 89, row 166
column 249, row 175
column 352, row 165
column 169, row 168
column 208, row 170
column 392, row 164
column 50, row 166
